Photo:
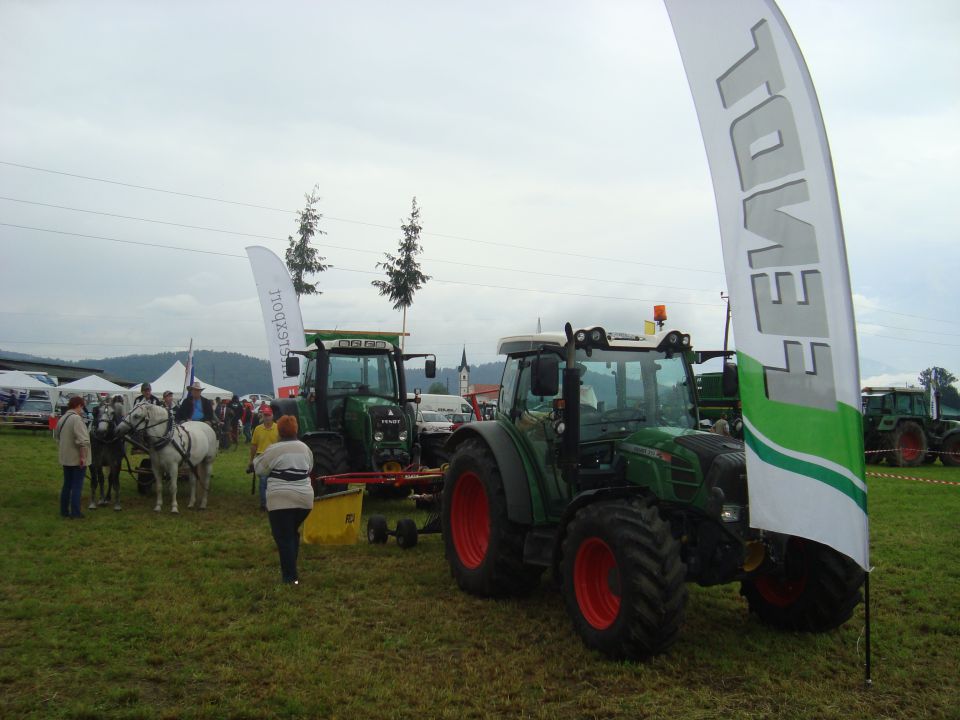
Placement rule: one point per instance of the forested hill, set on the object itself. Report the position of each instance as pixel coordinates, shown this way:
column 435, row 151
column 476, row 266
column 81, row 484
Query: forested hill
column 241, row 373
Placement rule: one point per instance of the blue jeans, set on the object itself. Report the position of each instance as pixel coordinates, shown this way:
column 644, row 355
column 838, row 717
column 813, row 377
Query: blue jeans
column 72, row 488
column 263, row 491
column 285, row 526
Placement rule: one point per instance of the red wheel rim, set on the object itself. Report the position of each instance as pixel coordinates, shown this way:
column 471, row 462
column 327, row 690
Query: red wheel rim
column 909, row 447
column 784, row 591
column 596, row 581
column 470, row 520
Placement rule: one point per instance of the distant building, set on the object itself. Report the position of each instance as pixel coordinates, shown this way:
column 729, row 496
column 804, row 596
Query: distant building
column 63, row 373
column 464, row 370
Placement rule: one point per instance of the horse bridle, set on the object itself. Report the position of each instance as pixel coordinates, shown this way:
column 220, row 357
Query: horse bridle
column 144, row 424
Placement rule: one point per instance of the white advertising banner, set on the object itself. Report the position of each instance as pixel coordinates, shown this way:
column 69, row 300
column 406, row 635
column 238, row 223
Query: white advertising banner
column 281, row 315
column 786, row 269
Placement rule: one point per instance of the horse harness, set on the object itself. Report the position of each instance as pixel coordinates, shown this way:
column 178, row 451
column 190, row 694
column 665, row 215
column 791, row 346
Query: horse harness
column 172, row 436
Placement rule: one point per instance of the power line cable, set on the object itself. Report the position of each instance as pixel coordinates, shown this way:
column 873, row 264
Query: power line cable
column 619, row 261
column 346, row 220
column 146, row 187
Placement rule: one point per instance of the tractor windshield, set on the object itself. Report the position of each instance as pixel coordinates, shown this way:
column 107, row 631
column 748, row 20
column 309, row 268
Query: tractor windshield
column 362, row 375
column 635, row 389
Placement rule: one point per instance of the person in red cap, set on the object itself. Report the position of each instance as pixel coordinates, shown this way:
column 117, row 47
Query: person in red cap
column 264, row 435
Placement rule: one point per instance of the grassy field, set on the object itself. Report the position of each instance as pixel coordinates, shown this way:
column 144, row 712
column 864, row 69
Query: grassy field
column 137, row 615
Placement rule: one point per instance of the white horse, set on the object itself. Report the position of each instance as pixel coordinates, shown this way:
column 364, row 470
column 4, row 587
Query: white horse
column 169, row 445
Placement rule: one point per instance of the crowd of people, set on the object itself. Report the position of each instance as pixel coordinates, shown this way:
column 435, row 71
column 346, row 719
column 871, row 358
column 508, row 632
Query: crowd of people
column 280, row 462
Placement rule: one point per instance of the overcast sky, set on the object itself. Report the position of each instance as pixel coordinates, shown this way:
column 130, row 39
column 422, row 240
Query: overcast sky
column 552, row 146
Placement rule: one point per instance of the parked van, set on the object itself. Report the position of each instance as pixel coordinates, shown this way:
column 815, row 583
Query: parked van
column 444, row 404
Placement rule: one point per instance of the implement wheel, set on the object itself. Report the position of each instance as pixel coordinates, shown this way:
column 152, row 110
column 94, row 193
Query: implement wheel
column 623, row 579
column 483, row 547
column 908, row 445
column 406, row 533
column 377, row 530
column 817, row 589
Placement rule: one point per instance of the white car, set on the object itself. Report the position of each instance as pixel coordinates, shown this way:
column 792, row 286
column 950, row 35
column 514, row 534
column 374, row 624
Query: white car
column 257, row 399
column 433, row 422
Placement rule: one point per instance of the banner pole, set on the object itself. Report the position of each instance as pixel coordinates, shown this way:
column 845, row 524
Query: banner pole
column 868, row 680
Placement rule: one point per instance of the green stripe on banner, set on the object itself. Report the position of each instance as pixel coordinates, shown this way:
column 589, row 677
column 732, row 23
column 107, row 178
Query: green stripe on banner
column 835, row 435
column 807, row 469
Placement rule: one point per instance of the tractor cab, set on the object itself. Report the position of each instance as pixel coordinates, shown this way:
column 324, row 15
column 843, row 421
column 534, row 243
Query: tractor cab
column 353, row 394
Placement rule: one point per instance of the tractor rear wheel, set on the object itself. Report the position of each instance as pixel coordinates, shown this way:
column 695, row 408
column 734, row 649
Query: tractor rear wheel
column 950, row 451
column 484, row 548
column 908, row 445
column 623, row 579
column 817, row 590
column 329, row 458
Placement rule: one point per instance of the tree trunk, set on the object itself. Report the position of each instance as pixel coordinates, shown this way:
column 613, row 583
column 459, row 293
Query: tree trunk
column 403, row 335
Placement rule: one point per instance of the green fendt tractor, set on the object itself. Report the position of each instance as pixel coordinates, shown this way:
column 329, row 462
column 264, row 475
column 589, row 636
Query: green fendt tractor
column 898, row 427
column 352, row 408
column 593, row 469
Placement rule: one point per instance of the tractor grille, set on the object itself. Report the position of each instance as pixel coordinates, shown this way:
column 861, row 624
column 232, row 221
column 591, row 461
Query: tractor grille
column 387, row 419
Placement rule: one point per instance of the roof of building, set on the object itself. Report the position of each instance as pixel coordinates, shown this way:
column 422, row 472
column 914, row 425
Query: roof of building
column 64, row 373
column 463, row 362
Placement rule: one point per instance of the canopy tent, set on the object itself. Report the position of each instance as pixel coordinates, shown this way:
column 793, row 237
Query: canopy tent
column 14, row 380
column 172, row 380
column 98, row 385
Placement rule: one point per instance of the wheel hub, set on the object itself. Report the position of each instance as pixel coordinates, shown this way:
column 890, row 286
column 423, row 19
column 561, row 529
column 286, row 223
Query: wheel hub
column 596, row 580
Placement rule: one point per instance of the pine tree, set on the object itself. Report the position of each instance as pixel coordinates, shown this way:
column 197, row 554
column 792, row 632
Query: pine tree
column 303, row 260
column 404, row 276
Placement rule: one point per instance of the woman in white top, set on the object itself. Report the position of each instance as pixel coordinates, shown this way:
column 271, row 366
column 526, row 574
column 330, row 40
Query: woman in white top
column 286, row 465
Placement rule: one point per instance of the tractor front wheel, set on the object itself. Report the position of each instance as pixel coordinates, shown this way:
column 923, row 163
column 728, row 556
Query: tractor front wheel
column 484, row 548
column 816, row 589
column 623, row 579
column 329, row 458
column 950, row 451
column 908, row 445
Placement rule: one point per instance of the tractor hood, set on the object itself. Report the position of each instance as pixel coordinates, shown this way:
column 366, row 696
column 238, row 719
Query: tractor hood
column 385, row 415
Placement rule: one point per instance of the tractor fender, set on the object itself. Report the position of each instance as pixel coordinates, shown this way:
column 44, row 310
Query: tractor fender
column 285, row 406
column 585, row 498
column 515, row 485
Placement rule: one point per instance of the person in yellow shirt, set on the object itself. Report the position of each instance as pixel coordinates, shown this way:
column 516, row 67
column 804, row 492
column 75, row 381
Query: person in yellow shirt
column 264, row 435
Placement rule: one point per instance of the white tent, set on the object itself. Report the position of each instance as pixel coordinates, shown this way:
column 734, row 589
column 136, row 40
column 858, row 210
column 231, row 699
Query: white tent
column 16, row 380
column 173, row 378
column 96, row 384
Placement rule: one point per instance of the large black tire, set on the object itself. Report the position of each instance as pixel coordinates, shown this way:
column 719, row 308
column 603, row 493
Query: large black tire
column 908, row 445
column 329, row 458
column 623, row 579
column 817, row 591
column 950, row 451
column 483, row 547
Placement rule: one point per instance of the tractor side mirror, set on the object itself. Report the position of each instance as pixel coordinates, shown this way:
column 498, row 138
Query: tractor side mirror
column 291, row 367
column 430, row 368
column 730, row 382
column 545, row 375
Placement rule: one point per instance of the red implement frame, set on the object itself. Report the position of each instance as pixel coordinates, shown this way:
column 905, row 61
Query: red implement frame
column 400, row 478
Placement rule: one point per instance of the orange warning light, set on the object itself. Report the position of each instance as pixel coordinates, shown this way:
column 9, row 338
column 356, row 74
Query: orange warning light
column 660, row 313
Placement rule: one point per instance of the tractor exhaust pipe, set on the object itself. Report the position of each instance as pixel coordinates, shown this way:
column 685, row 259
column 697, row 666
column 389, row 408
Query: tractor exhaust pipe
column 569, row 446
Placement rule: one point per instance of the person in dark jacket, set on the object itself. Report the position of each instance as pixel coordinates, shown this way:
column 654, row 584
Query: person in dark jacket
column 196, row 407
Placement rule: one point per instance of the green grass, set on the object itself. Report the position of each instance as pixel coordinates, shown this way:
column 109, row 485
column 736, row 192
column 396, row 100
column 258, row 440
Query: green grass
column 143, row 615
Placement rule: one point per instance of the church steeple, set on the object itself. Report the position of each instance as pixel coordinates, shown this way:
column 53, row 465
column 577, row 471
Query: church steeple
column 464, row 370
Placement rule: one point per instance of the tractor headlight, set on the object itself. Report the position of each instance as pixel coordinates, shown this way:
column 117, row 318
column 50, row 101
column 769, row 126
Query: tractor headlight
column 581, row 336
column 596, row 336
column 731, row 513
column 403, row 436
column 378, row 436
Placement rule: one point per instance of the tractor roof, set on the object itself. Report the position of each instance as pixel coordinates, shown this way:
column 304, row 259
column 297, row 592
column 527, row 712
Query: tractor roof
column 616, row 340
column 886, row 390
